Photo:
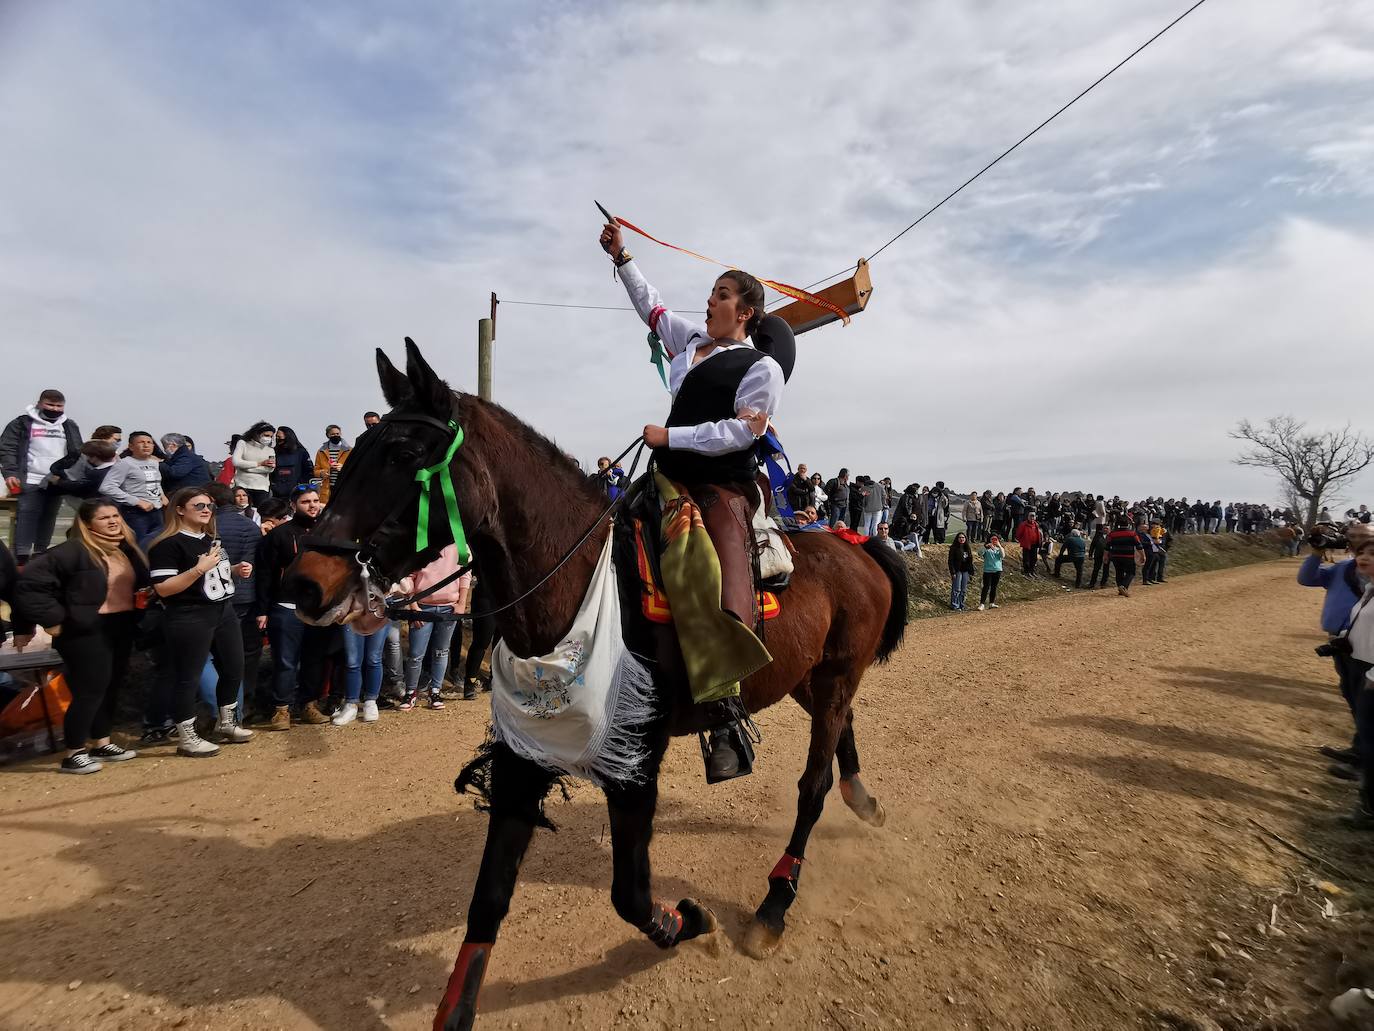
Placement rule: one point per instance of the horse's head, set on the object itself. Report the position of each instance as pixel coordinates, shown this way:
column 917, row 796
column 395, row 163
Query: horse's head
column 368, row 531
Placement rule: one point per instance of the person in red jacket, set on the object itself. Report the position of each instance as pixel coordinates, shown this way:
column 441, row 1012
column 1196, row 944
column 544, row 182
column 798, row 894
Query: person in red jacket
column 1028, row 535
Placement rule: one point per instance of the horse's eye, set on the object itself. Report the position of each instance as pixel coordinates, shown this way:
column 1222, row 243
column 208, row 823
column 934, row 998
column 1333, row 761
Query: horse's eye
column 404, row 456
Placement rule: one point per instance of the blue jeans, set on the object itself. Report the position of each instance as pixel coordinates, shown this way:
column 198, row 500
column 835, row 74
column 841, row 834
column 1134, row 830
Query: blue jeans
column 434, row 638
column 297, row 656
column 363, row 656
column 146, row 525
column 870, row 527
column 958, row 588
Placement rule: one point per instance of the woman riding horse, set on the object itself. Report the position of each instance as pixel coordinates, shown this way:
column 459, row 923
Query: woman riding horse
column 724, row 393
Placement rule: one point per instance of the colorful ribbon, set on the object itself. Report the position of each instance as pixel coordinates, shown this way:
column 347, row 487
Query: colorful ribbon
column 791, row 291
column 425, row 478
column 656, row 356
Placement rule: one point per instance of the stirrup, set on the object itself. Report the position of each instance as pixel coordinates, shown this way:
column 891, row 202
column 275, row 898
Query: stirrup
column 739, row 735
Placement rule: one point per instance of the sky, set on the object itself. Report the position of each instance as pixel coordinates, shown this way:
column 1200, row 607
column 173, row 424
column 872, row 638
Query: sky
column 214, row 213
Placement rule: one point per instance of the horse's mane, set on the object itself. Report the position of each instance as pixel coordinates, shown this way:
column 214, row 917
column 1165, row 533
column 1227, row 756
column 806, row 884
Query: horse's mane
column 552, row 457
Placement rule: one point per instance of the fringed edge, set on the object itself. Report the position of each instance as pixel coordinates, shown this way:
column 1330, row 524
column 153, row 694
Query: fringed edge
column 476, row 774
column 620, row 754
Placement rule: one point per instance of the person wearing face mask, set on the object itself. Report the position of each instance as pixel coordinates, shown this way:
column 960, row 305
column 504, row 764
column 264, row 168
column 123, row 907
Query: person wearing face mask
column 134, row 483
column 329, row 460
column 293, row 467
column 29, row 446
column 725, row 390
column 254, row 459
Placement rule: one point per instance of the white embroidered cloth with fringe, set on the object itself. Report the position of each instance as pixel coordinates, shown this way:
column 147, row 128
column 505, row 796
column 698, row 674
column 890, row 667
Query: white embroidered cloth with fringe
column 570, row 710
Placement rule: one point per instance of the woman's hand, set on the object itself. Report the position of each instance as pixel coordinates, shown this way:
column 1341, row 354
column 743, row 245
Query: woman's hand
column 612, row 242
column 758, row 424
column 22, row 641
column 210, row 560
column 243, row 570
column 656, row 436
column 53, row 631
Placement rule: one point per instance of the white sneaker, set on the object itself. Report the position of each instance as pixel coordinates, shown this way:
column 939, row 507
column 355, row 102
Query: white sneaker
column 369, row 712
column 993, row 606
column 346, row 715
column 227, row 728
column 981, row 607
column 192, row 744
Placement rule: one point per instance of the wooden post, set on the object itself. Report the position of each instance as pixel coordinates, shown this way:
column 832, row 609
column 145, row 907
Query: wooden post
column 484, row 336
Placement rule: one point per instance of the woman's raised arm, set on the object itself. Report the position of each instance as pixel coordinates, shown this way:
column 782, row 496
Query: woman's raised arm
column 673, row 330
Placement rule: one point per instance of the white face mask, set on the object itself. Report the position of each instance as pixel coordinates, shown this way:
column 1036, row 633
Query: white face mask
column 265, row 439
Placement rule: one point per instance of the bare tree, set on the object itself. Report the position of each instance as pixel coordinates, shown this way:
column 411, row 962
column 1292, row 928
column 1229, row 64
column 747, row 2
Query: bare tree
column 1311, row 466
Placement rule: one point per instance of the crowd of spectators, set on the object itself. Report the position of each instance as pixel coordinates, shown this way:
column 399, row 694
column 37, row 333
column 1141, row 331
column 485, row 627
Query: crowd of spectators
column 186, row 559
column 1050, row 529
column 183, row 559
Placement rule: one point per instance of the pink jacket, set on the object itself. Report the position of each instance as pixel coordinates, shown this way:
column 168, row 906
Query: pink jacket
column 445, row 565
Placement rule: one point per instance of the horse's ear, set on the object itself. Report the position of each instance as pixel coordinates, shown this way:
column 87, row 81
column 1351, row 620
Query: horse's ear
column 429, row 390
column 395, row 386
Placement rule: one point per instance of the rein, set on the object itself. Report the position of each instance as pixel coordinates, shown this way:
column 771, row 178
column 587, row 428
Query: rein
column 364, row 551
column 395, row 609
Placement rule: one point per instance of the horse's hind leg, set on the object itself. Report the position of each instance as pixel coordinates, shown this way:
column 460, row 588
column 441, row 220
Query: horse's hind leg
column 827, row 724
column 865, row 806
column 632, row 809
column 516, row 793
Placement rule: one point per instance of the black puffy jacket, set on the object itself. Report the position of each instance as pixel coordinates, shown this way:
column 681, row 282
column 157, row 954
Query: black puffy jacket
column 65, row 587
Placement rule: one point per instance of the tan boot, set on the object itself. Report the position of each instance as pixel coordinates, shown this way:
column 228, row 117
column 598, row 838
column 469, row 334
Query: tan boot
column 310, row 713
column 281, row 719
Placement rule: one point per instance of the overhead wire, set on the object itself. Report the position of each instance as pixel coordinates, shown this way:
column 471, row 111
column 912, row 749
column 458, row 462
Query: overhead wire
column 953, row 193
column 976, row 175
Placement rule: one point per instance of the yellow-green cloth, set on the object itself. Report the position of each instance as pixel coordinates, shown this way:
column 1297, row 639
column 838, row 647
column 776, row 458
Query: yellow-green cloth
column 719, row 651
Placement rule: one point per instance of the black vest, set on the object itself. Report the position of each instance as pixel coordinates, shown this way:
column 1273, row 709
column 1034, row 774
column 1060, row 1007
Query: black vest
column 708, row 395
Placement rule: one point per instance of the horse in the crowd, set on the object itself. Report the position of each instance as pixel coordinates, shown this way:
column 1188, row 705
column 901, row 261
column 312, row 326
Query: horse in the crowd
column 526, row 504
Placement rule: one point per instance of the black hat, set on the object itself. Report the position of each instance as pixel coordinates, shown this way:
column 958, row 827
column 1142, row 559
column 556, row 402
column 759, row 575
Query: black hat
column 774, row 338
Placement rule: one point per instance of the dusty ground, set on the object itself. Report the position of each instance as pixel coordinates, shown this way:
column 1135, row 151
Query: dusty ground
column 1068, row 784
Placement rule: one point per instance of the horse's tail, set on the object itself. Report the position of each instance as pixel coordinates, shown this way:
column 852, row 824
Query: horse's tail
column 894, row 568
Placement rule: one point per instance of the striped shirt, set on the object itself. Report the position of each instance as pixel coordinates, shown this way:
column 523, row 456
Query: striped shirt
column 1122, row 544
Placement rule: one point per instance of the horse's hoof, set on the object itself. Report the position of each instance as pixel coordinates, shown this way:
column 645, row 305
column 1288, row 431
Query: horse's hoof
column 877, row 816
column 761, row 941
column 697, row 920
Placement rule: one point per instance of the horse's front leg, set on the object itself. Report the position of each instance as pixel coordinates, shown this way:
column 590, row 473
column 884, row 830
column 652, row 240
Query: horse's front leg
column 516, row 794
column 827, row 723
column 632, row 809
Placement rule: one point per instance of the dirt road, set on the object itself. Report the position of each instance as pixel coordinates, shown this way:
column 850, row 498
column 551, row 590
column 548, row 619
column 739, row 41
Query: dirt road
column 1068, row 787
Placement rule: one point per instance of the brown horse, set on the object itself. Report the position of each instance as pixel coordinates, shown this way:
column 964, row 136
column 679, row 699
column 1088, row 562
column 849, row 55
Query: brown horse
column 526, row 505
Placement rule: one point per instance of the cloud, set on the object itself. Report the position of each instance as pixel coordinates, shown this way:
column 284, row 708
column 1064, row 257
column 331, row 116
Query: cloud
column 213, row 218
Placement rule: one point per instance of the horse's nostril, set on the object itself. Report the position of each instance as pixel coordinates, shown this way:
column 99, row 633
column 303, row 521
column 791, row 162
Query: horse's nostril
column 306, row 593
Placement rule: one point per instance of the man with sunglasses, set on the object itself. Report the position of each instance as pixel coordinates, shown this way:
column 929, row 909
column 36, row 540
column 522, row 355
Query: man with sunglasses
column 298, row 650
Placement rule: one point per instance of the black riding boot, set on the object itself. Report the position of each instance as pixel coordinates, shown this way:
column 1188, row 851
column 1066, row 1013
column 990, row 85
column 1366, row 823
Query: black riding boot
column 727, row 748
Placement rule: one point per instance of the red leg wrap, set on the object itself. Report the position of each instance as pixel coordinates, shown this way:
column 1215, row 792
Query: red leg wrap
column 465, row 982
column 788, row 869
column 663, row 926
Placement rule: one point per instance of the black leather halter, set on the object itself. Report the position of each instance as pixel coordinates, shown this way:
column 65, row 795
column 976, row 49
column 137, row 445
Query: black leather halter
column 375, row 582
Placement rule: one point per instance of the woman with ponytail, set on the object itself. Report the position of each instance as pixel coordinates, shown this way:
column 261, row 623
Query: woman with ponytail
column 83, row 593
column 725, row 390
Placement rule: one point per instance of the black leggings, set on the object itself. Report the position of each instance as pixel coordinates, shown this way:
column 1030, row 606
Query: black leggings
column 94, row 664
column 194, row 634
column 483, row 632
column 988, row 593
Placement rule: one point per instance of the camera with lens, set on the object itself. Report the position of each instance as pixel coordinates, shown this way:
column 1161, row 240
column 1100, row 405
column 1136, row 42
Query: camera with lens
column 1335, row 646
column 1328, row 537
